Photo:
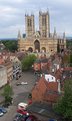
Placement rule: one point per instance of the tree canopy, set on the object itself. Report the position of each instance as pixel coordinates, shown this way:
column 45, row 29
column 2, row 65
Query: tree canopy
column 28, row 61
column 64, row 105
column 10, row 45
column 7, row 93
column 67, row 60
column 69, row 44
column 70, row 60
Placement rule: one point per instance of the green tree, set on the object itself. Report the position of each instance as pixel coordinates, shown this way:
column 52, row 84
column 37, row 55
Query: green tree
column 69, row 44
column 70, row 60
column 7, row 93
column 10, row 45
column 64, row 105
column 28, row 61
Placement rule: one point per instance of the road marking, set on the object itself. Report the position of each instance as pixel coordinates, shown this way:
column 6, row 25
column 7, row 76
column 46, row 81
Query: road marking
column 42, row 110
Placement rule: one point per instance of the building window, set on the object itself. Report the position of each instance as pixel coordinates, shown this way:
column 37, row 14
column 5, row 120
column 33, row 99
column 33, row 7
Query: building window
column 52, row 78
column 44, row 20
column 44, row 34
column 29, row 22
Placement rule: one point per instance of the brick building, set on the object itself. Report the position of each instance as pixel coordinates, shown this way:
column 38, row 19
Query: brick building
column 46, row 90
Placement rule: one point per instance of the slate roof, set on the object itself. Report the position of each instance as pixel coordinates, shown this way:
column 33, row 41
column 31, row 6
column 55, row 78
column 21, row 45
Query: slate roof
column 42, row 109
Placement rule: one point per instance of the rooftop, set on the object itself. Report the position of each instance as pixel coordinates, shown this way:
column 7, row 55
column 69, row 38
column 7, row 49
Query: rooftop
column 43, row 109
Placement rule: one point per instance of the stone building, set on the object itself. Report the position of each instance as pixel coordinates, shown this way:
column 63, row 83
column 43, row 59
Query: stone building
column 9, row 67
column 3, row 76
column 42, row 40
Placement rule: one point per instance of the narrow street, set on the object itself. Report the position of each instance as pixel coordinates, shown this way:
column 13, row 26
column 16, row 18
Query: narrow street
column 20, row 94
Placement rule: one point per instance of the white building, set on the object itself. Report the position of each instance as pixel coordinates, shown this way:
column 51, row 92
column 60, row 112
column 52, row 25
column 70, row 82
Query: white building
column 50, row 78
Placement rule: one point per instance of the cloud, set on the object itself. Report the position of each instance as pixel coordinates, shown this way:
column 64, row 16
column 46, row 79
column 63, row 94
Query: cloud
column 12, row 1
column 11, row 31
column 12, row 15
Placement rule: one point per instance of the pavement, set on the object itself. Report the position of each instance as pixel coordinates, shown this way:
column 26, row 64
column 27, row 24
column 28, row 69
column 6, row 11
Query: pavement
column 1, row 97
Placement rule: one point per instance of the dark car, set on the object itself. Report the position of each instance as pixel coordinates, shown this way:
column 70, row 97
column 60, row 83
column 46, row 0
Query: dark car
column 2, row 109
column 32, row 118
column 20, row 117
column 24, row 117
column 17, row 117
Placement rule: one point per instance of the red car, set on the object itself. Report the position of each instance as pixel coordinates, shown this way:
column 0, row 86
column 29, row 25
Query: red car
column 23, row 112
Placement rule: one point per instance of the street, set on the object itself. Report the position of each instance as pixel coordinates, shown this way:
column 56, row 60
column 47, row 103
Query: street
column 20, row 94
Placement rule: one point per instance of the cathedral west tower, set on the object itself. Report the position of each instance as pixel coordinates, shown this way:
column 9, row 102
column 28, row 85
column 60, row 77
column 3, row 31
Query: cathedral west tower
column 29, row 25
column 44, row 24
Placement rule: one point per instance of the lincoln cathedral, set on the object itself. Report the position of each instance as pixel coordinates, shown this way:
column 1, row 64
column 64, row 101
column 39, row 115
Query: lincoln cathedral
column 41, row 40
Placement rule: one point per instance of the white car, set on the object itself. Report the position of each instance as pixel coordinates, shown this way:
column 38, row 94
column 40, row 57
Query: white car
column 21, row 83
column 24, row 83
column 22, row 105
column 1, row 113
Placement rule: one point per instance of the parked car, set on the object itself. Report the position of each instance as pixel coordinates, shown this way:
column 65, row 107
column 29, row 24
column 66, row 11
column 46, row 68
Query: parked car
column 32, row 118
column 20, row 117
column 24, row 83
column 21, row 83
column 1, row 113
column 23, row 112
column 22, row 105
column 2, row 109
column 17, row 117
column 24, row 117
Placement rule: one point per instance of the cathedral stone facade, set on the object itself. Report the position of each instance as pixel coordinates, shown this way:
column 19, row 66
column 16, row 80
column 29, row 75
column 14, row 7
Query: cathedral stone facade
column 41, row 40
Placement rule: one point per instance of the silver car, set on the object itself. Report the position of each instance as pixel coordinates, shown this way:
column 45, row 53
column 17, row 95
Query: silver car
column 1, row 113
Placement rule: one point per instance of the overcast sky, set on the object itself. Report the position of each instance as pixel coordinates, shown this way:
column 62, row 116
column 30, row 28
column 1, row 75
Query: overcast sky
column 12, row 15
